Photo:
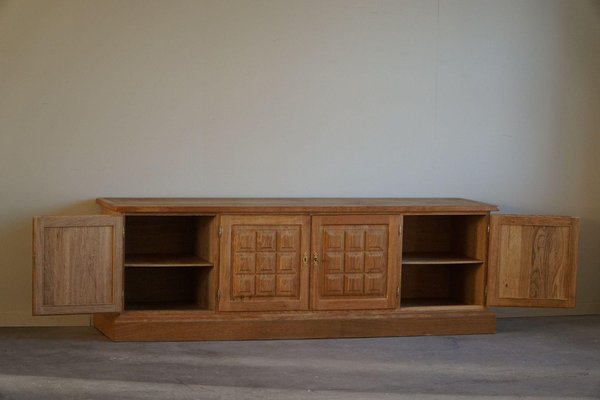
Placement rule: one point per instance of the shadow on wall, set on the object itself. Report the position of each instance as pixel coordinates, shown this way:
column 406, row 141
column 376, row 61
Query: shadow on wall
column 16, row 235
column 17, row 232
column 587, row 102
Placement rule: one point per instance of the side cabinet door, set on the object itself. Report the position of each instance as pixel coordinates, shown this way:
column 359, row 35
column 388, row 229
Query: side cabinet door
column 355, row 262
column 264, row 263
column 532, row 261
column 77, row 264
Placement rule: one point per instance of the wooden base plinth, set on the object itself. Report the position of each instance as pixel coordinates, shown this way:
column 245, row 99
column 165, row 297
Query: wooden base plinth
column 186, row 325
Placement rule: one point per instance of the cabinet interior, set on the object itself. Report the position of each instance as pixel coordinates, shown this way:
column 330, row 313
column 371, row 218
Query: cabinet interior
column 169, row 262
column 443, row 259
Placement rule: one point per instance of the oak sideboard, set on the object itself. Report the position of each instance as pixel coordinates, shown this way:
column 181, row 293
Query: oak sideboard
column 152, row 269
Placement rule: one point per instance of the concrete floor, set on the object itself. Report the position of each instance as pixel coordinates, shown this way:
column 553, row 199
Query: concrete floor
column 535, row 358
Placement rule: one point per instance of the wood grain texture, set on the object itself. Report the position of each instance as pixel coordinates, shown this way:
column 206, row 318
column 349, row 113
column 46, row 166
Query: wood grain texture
column 78, row 264
column 167, row 241
column 160, row 235
column 343, row 258
column 444, row 259
column 263, row 265
column 440, row 285
column 182, row 326
column 207, row 247
column 163, row 287
column 355, row 262
column 294, row 205
column 438, row 258
column 533, row 261
column 161, row 261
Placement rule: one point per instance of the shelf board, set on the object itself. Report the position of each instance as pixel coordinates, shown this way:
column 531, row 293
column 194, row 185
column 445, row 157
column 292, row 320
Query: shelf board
column 430, row 302
column 154, row 260
column 437, row 258
column 150, row 305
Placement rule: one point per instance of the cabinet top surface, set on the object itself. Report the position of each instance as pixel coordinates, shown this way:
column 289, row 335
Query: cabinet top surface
column 294, row 205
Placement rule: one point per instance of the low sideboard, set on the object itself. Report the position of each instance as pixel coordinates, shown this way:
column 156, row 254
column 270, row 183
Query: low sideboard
column 153, row 269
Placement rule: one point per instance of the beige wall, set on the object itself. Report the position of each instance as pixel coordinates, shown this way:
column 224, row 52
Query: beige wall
column 498, row 101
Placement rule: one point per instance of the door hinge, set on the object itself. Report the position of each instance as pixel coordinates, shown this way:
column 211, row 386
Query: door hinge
column 220, row 230
column 488, row 228
column 400, row 230
column 219, row 295
column 398, row 292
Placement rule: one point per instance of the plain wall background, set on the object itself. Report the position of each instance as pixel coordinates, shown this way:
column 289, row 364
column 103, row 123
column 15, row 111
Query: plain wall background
column 498, row 101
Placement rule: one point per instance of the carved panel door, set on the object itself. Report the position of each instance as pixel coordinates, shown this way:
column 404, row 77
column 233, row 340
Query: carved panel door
column 264, row 263
column 355, row 262
column 532, row 261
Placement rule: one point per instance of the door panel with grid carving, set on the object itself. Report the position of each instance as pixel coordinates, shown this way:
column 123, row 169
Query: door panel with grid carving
column 355, row 262
column 264, row 263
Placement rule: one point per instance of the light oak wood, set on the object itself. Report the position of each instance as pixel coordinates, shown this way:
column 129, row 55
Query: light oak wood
column 444, row 259
column 299, row 268
column 78, row 264
column 294, row 205
column 171, row 242
column 152, row 288
column 207, row 247
column 438, row 258
column 264, row 263
column 460, row 235
column 438, row 285
column 161, row 261
column 533, row 261
column 355, row 262
column 160, row 235
column 186, row 325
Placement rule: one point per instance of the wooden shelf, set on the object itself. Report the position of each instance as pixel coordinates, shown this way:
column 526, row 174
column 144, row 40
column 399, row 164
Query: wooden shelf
column 153, row 305
column 430, row 302
column 154, row 260
column 437, row 259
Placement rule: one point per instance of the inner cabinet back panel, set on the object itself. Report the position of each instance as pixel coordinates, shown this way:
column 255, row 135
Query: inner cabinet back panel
column 149, row 288
column 169, row 262
column 444, row 260
column 160, row 235
column 440, row 285
column 446, row 234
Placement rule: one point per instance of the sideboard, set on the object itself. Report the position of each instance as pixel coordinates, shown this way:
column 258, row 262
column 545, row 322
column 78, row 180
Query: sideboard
column 152, row 269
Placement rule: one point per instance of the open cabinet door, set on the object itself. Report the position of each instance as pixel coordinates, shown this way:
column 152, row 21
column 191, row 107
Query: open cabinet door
column 532, row 261
column 77, row 264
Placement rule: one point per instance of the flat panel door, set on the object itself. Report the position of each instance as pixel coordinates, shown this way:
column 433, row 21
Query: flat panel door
column 264, row 263
column 355, row 262
column 78, row 264
column 532, row 261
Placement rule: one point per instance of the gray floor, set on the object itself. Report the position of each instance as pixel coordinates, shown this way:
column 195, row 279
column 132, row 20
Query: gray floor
column 537, row 358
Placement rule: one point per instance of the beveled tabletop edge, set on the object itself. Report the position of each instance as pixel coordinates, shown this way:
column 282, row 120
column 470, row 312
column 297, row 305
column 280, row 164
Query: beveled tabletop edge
column 291, row 205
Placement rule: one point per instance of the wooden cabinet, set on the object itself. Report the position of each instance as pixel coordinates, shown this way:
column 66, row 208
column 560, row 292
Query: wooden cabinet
column 194, row 269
